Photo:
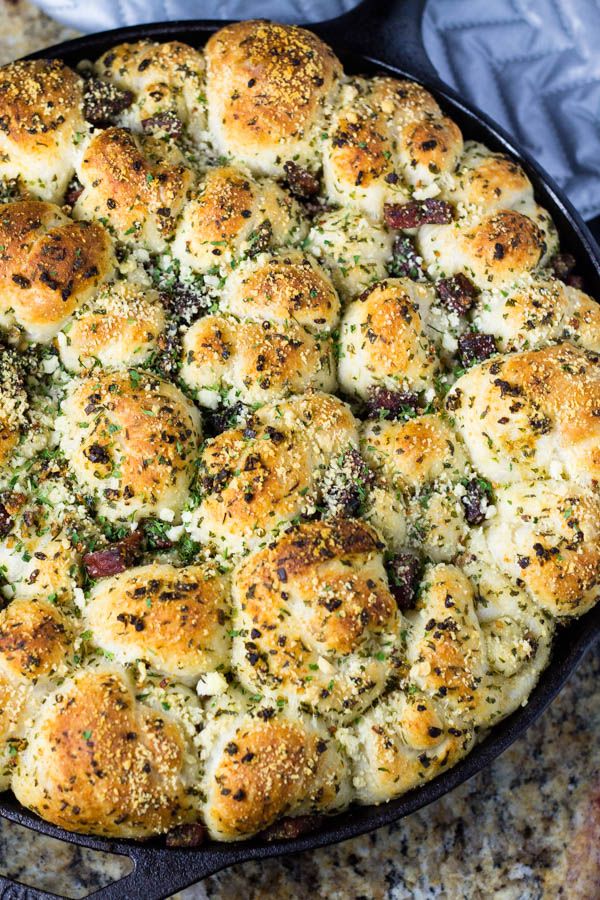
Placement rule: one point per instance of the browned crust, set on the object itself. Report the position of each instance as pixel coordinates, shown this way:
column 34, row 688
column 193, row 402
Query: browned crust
column 48, row 264
column 271, row 79
column 142, row 427
column 39, row 98
column 177, row 618
column 34, row 638
column 505, row 242
column 127, row 185
column 117, row 766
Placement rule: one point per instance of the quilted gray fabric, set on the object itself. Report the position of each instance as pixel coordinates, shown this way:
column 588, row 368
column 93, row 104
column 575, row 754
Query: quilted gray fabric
column 533, row 65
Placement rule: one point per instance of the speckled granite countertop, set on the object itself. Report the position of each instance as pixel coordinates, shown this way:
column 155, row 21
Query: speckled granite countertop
column 525, row 829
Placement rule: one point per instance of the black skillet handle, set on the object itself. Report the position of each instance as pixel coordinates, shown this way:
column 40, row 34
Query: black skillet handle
column 383, row 30
column 157, row 873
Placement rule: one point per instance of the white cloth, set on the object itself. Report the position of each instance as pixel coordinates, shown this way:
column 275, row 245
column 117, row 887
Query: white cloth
column 99, row 15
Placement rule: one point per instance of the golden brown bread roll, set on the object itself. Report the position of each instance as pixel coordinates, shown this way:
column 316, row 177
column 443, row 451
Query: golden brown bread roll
column 531, row 415
column 456, row 648
column 167, row 80
column 359, row 162
column 258, row 477
column 34, row 639
column 546, row 535
column 423, row 460
column 383, row 340
column 119, row 768
column 287, row 287
column 137, row 451
column 268, row 88
column 581, row 322
column 35, row 650
column 316, row 620
column 386, row 137
column 251, row 486
column 39, row 555
column 175, row 619
column 232, row 216
column 536, row 311
column 414, row 453
column 402, row 742
column 267, row 762
column 137, row 185
column 119, row 327
column 254, row 362
column 492, row 251
column 487, row 180
column 355, row 250
column 49, row 265
column 41, row 125
column 429, row 148
column 517, row 633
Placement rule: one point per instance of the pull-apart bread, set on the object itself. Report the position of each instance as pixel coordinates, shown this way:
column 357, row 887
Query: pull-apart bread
column 299, row 437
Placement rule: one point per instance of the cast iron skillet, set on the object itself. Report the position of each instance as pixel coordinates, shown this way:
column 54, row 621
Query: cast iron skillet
column 379, row 35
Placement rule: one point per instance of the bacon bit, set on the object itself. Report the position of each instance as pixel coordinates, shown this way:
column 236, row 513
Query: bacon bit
column 457, row 293
column 406, row 262
column 474, row 348
column 167, row 121
column 103, row 101
column 193, row 835
column 115, row 559
column 291, row 827
column 473, row 501
column 301, row 182
column 417, row 213
column 575, row 281
column 563, row 265
column 73, row 193
column 404, row 573
column 6, row 522
column 383, row 403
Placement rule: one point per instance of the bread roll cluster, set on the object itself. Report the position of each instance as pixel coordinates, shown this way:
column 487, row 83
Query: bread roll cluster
column 299, row 437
